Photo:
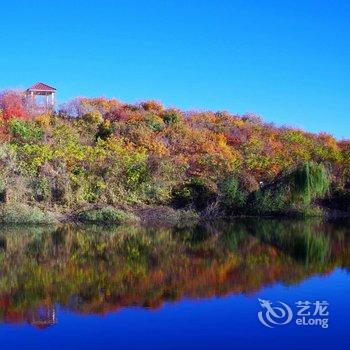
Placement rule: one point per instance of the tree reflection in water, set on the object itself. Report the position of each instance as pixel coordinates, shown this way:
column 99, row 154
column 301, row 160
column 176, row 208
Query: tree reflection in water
column 90, row 269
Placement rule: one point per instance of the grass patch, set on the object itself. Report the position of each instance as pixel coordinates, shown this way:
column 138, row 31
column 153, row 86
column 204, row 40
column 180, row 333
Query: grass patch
column 20, row 213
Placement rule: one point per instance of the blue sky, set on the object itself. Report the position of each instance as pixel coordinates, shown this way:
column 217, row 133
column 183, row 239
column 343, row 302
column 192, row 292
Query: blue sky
column 288, row 61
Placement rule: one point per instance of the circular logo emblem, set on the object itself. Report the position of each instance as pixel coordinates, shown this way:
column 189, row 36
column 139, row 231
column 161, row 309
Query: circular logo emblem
column 274, row 315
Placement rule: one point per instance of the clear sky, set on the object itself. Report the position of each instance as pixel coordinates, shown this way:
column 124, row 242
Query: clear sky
column 286, row 60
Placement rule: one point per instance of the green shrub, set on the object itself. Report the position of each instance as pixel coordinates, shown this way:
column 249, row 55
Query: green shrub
column 267, row 201
column 94, row 117
column 233, row 197
column 2, row 190
column 25, row 131
column 154, row 122
column 19, row 213
column 105, row 130
column 32, row 156
column 41, row 189
column 294, row 193
column 308, row 181
column 171, row 116
column 92, row 190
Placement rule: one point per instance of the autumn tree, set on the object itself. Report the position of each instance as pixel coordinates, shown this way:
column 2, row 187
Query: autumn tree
column 12, row 105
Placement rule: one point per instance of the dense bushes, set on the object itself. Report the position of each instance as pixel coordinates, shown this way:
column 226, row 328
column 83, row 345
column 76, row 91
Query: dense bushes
column 104, row 153
column 194, row 193
column 293, row 192
column 25, row 131
column 233, row 195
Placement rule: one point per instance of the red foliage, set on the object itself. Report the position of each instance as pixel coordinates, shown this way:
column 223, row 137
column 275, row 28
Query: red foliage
column 12, row 105
column 118, row 114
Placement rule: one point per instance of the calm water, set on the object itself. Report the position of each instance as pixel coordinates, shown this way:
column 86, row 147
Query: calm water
column 74, row 287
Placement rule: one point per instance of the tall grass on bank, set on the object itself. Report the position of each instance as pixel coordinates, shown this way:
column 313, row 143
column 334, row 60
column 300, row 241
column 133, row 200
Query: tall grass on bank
column 293, row 193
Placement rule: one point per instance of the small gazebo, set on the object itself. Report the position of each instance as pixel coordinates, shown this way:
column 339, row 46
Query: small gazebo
column 41, row 95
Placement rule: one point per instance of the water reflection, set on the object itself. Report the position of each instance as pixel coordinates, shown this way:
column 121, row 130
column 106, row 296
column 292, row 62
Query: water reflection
column 94, row 270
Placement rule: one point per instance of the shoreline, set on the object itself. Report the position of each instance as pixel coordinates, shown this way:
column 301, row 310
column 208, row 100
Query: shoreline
column 153, row 216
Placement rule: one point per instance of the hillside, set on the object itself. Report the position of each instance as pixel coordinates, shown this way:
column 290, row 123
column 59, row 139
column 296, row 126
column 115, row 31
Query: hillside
column 101, row 159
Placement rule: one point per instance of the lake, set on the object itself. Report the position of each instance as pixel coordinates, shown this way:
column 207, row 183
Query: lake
column 252, row 284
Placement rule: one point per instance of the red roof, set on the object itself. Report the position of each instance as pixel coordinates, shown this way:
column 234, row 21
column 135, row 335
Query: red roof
column 41, row 87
